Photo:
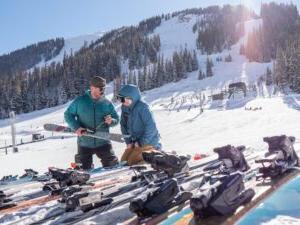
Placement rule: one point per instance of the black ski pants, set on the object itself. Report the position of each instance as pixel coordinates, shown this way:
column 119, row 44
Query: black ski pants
column 105, row 153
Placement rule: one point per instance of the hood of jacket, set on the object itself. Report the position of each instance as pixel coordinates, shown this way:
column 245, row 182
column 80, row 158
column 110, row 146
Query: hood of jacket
column 132, row 92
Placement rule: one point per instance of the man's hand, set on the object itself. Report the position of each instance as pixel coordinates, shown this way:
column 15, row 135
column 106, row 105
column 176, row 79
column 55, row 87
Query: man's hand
column 80, row 131
column 129, row 146
column 108, row 119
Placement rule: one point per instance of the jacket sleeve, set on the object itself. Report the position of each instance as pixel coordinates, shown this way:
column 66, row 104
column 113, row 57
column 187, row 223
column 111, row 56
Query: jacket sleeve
column 114, row 115
column 150, row 127
column 71, row 115
column 124, row 128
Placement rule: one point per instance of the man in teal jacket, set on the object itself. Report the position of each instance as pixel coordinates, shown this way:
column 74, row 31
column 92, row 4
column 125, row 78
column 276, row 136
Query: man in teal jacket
column 94, row 112
column 138, row 122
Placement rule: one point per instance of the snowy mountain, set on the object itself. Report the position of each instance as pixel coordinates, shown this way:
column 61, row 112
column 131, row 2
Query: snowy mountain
column 72, row 45
column 177, row 33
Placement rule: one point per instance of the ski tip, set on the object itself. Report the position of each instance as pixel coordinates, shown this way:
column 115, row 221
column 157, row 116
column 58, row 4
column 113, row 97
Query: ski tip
column 50, row 167
column 76, row 166
column 199, row 156
column 73, row 165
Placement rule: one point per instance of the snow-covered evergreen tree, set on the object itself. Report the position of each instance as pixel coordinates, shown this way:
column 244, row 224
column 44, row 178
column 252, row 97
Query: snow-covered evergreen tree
column 209, row 65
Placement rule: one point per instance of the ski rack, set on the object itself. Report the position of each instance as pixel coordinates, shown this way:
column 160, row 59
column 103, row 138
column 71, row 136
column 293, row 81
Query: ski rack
column 203, row 163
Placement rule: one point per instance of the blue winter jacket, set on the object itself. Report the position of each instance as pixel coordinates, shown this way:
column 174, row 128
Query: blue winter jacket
column 88, row 113
column 137, row 119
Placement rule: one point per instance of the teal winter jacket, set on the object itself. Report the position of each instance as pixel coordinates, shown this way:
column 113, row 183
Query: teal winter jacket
column 89, row 113
column 137, row 119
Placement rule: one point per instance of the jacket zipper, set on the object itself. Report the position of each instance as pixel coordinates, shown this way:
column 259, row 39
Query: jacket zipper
column 94, row 104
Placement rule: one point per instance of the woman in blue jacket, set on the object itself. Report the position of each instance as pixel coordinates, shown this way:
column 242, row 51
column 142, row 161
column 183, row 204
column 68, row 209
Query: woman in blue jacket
column 138, row 122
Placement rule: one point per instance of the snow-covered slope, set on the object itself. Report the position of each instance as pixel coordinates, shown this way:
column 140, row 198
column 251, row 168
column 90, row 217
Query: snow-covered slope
column 177, row 33
column 72, row 45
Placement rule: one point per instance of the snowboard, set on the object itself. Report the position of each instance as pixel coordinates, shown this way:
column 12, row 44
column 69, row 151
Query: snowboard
column 99, row 135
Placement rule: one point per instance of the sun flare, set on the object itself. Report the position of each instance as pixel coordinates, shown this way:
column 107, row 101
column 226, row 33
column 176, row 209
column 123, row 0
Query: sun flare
column 248, row 3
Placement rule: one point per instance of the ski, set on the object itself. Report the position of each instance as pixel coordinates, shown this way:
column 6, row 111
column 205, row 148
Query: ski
column 268, row 180
column 39, row 181
column 103, row 206
column 108, row 203
column 232, row 166
column 41, row 190
column 183, row 214
column 99, row 135
column 56, row 187
column 29, row 176
column 5, row 202
column 97, row 175
column 117, row 191
column 194, row 165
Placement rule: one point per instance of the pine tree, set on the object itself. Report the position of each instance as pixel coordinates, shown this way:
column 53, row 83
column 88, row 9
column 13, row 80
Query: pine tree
column 130, row 77
column 280, row 69
column 201, row 75
column 242, row 49
column 134, row 78
column 148, row 80
column 209, row 65
column 117, row 86
column 269, row 78
column 296, row 79
column 189, row 66
column 169, row 70
column 141, row 80
column 16, row 101
column 178, row 67
column 160, row 71
column 291, row 63
column 154, row 76
column 228, row 58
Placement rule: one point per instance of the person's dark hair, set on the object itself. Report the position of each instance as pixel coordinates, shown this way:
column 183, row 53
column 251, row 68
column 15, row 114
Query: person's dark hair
column 98, row 82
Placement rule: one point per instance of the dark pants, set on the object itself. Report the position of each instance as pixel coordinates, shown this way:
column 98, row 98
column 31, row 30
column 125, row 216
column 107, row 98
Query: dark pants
column 104, row 152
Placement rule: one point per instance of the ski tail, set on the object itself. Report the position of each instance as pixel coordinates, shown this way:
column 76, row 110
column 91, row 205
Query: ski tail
column 98, row 134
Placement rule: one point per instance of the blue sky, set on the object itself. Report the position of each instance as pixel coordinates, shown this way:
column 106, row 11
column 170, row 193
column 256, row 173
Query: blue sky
column 24, row 22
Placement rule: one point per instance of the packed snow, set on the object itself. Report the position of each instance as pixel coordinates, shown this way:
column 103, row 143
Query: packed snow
column 177, row 33
column 175, row 106
column 72, row 45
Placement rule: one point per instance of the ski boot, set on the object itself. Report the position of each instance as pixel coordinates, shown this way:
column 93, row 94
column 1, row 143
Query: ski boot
column 169, row 163
column 69, row 177
column 221, row 196
column 281, row 157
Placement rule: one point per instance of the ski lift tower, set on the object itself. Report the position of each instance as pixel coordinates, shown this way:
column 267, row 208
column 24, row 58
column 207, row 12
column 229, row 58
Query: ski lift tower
column 12, row 117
